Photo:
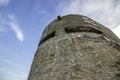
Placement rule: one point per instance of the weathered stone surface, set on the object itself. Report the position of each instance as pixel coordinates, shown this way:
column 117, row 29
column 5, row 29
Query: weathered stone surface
column 77, row 53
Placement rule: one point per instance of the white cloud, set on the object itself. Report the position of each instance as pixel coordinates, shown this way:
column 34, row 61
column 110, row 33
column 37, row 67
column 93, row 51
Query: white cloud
column 106, row 12
column 15, row 27
column 13, row 75
column 41, row 12
column 11, row 17
column 12, row 22
column 71, row 7
column 12, row 67
column 7, row 72
column 4, row 2
column 117, row 31
column 17, row 30
column 1, row 29
column 2, row 25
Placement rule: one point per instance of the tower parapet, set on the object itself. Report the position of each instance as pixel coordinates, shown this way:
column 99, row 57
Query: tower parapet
column 75, row 23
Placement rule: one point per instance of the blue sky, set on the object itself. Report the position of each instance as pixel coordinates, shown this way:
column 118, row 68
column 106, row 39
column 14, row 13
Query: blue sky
column 23, row 21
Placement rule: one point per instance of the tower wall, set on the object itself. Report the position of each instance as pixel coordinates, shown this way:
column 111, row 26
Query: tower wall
column 76, row 47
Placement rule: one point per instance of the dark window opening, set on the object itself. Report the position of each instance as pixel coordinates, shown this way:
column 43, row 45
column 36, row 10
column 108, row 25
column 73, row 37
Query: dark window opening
column 81, row 29
column 50, row 35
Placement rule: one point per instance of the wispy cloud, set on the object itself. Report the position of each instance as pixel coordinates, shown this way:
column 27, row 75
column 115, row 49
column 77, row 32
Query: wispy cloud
column 1, row 29
column 13, row 75
column 11, row 17
column 17, row 30
column 117, row 31
column 106, row 12
column 4, row 2
column 2, row 25
column 7, row 72
column 12, row 22
column 41, row 12
column 72, row 7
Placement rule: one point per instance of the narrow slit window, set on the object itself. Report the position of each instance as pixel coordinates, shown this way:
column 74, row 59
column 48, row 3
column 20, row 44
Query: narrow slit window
column 81, row 29
column 71, row 29
column 50, row 35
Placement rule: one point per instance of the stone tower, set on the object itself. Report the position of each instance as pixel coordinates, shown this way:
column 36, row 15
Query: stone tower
column 75, row 47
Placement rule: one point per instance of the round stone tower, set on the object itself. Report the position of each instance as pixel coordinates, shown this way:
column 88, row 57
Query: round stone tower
column 75, row 47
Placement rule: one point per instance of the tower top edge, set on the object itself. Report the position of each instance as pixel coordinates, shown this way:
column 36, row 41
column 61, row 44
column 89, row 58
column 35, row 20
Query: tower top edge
column 77, row 23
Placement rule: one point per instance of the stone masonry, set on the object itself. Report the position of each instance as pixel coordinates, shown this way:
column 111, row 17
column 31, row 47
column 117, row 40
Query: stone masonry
column 75, row 47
